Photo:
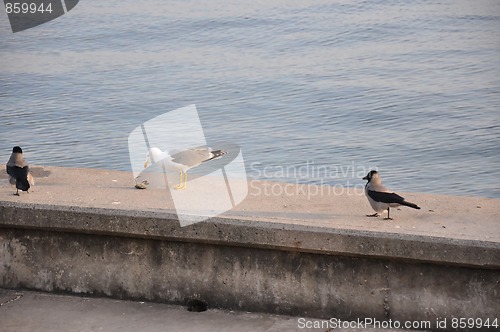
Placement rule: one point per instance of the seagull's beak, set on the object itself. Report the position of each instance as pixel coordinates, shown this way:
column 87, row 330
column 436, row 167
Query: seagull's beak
column 146, row 163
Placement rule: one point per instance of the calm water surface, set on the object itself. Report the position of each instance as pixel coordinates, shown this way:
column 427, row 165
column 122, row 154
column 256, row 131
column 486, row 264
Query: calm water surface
column 332, row 88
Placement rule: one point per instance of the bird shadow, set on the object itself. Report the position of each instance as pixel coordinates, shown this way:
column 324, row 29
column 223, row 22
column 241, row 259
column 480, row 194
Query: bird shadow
column 39, row 172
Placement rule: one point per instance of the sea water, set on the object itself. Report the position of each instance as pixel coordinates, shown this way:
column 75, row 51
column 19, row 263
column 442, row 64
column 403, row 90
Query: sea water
column 312, row 91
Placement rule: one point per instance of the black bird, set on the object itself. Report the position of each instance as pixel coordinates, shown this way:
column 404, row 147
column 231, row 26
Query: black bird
column 19, row 172
column 380, row 197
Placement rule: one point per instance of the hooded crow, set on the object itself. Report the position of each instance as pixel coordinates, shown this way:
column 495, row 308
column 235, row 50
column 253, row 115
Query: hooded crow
column 18, row 170
column 380, row 197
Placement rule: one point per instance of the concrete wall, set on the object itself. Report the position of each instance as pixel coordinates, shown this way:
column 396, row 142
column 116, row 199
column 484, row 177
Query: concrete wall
column 299, row 271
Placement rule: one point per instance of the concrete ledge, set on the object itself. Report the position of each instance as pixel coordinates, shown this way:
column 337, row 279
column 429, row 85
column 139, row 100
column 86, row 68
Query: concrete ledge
column 254, row 234
column 288, row 254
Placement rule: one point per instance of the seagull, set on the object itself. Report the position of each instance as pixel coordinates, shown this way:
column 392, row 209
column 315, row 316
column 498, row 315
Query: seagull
column 182, row 161
column 380, row 197
column 18, row 170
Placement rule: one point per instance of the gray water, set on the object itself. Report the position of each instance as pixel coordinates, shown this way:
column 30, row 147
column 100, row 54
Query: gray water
column 330, row 88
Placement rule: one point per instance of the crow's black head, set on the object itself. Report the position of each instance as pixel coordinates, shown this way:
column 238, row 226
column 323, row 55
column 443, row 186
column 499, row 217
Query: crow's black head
column 370, row 175
column 17, row 149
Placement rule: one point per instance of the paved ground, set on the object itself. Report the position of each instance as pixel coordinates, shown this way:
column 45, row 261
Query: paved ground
column 25, row 311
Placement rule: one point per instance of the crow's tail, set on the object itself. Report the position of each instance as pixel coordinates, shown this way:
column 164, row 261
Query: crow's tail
column 412, row 205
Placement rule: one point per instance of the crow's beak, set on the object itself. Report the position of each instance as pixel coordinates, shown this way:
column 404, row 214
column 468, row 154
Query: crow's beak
column 365, row 178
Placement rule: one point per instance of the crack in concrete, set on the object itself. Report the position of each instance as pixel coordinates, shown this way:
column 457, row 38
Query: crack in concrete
column 17, row 297
column 387, row 289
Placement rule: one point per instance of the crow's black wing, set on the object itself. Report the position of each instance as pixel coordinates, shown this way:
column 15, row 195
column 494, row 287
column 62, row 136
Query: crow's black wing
column 10, row 170
column 385, row 197
column 21, row 176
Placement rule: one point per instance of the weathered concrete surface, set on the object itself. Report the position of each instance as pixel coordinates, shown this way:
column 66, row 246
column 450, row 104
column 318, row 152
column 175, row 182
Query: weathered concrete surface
column 239, row 278
column 25, row 311
column 90, row 232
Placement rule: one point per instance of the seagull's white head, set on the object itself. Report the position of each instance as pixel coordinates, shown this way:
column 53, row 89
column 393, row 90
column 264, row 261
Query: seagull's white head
column 154, row 155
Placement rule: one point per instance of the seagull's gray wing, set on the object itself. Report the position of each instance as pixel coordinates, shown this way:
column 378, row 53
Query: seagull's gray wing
column 192, row 157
